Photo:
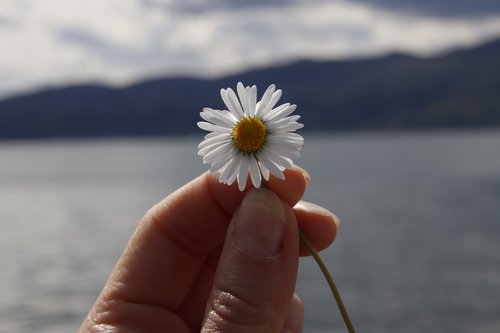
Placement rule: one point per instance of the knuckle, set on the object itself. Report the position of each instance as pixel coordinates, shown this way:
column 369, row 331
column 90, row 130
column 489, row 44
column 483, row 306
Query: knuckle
column 233, row 313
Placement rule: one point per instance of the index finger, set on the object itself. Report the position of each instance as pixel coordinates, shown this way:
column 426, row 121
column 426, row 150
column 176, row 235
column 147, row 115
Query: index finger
column 172, row 242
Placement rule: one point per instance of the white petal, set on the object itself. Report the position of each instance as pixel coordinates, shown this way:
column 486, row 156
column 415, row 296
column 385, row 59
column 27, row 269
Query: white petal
column 272, row 102
column 244, row 98
column 218, row 153
column 213, row 134
column 268, row 164
column 213, row 128
column 281, row 121
column 286, row 148
column 204, row 150
column 288, row 127
column 264, row 170
column 254, row 172
column 240, row 89
column 292, row 137
column 280, row 161
column 231, row 102
column 218, row 117
column 264, row 100
column 288, row 124
column 217, row 166
column 283, row 147
column 281, row 111
column 242, row 94
column 252, row 100
column 219, row 137
column 282, row 150
column 212, row 159
column 266, row 157
column 243, row 172
column 224, row 172
column 278, row 137
column 270, row 115
column 233, row 170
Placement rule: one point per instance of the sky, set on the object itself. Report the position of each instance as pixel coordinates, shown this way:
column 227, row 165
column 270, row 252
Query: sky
column 119, row 42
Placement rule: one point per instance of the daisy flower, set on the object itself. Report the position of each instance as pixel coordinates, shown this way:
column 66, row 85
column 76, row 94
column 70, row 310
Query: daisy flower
column 250, row 138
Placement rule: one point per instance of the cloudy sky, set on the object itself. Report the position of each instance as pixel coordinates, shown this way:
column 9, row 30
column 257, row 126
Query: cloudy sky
column 57, row 42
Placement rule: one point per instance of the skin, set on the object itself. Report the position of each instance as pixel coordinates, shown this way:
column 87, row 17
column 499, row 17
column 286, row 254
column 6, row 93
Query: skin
column 188, row 268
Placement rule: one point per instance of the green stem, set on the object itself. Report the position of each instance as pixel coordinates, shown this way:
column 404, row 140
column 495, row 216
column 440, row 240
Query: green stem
column 329, row 279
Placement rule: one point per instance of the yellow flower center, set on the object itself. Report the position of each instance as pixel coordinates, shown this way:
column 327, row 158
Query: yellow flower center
column 249, row 134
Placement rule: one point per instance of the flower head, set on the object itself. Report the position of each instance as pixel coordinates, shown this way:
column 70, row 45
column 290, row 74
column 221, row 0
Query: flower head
column 250, row 137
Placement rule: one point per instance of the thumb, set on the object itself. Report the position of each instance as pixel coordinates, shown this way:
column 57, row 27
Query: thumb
column 255, row 279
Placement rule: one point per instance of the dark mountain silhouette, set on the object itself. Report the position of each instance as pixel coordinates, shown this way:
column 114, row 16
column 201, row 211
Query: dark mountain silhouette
column 456, row 90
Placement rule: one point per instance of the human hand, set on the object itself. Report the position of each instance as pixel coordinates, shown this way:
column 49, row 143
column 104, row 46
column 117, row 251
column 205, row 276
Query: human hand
column 213, row 259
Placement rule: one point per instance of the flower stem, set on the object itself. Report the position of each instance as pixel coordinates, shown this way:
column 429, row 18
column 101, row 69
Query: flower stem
column 330, row 282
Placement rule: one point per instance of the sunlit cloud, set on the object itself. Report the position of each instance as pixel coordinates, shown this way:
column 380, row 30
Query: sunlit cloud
column 56, row 42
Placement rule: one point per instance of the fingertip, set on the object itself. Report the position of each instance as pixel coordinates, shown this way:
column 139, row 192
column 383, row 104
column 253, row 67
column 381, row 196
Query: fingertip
column 292, row 188
column 305, row 173
column 317, row 223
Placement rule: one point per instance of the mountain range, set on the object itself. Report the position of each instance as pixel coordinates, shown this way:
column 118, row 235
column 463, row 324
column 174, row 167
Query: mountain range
column 459, row 89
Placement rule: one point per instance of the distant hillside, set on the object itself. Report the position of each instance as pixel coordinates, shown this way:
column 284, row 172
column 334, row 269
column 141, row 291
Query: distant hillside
column 459, row 89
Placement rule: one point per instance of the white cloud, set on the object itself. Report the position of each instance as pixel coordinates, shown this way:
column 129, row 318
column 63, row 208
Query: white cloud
column 55, row 42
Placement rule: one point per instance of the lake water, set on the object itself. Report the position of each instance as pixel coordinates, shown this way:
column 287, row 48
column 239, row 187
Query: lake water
column 418, row 251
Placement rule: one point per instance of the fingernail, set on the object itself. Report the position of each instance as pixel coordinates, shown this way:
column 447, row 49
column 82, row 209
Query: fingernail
column 307, row 176
column 259, row 224
column 315, row 209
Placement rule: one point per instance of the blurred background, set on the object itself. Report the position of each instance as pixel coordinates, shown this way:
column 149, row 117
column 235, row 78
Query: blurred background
column 401, row 104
